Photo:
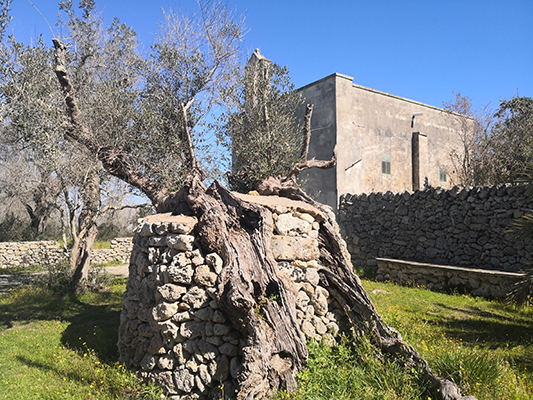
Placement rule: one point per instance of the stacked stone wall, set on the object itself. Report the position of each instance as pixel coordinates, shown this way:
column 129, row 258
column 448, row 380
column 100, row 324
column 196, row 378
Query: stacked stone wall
column 459, row 227
column 49, row 252
column 23, row 254
column 172, row 330
column 120, row 250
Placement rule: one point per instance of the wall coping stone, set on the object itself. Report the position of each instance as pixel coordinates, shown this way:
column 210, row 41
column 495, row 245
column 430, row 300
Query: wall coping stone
column 459, row 269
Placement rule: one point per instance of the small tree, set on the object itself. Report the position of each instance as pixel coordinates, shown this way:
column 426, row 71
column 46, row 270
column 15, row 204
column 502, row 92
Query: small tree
column 511, row 140
column 472, row 162
column 260, row 131
column 269, row 141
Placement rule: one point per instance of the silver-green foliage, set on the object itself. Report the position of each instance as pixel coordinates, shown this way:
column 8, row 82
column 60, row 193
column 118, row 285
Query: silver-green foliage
column 263, row 131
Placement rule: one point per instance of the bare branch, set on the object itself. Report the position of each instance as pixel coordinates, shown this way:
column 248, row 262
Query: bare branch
column 306, row 132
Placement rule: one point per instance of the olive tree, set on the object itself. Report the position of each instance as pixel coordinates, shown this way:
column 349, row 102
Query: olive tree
column 34, row 119
column 143, row 119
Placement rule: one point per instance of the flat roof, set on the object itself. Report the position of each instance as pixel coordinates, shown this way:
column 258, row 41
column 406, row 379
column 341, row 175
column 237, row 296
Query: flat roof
column 347, row 77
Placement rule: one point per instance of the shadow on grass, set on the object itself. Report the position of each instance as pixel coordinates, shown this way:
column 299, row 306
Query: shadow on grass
column 475, row 325
column 93, row 318
column 491, row 329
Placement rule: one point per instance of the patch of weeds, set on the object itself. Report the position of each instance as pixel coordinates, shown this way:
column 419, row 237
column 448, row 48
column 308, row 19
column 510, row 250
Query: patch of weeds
column 98, row 279
column 30, row 269
column 352, row 370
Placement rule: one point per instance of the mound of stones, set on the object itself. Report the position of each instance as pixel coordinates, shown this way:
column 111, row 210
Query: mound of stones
column 172, row 330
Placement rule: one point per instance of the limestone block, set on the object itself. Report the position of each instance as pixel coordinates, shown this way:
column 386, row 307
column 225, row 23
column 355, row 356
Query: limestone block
column 191, row 329
column 204, row 277
column 221, row 329
column 196, row 297
column 182, row 316
column 157, row 241
column 294, row 248
column 204, row 314
column 177, row 274
column 219, row 370
column 180, row 242
column 170, row 292
column 219, row 317
column 215, row 262
column 207, row 350
column 164, row 311
column 308, row 329
column 311, row 276
column 184, row 380
column 288, row 224
column 306, row 217
column 148, row 362
column 229, row 349
column 166, row 362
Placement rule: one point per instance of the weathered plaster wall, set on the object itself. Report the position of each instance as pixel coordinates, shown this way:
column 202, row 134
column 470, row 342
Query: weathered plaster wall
column 322, row 183
column 363, row 124
column 457, row 227
column 371, row 123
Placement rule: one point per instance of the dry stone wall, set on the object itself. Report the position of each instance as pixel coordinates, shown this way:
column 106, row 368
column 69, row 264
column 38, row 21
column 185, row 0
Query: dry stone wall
column 49, row 252
column 172, row 330
column 120, row 250
column 479, row 282
column 23, row 254
column 458, row 227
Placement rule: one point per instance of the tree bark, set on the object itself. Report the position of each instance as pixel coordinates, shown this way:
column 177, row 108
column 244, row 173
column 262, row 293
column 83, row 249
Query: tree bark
column 84, row 237
column 260, row 300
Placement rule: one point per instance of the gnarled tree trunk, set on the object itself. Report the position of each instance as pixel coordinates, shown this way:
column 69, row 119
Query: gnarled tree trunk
column 85, row 235
column 261, row 301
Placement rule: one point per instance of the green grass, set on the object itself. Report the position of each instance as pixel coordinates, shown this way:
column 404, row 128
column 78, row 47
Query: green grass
column 64, row 347
column 486, row 347
column 102, row 244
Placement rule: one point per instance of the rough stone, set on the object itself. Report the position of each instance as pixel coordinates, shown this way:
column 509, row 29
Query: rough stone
column 287, row 224
column 191, row 329
column 164, row 311
column 196, row 297
column 180, row 242
column 294, row 248
column 170, row 293
column 184, row 380
column 215, row 262
column 204, row 277
column 178, row 274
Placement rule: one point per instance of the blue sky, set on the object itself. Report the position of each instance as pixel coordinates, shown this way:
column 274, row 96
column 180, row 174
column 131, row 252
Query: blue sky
column 422, row 50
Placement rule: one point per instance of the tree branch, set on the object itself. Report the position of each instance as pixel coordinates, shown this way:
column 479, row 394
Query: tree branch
column 113, row 161
column 306, row 132
column 194, row 165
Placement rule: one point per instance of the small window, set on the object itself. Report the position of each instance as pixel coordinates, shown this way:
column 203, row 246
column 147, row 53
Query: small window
column 385, row 164
column 443, row 177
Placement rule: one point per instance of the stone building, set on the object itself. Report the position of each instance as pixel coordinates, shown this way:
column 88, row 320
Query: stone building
column 383, row 142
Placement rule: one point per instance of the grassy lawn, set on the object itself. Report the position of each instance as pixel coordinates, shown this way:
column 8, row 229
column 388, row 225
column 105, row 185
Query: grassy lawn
column 486, row 347
column 61, row 347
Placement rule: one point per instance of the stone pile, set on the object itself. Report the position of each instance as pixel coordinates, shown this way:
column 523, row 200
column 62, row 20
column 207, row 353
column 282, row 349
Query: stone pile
column 172, row 330
column 459, row 227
